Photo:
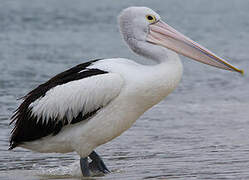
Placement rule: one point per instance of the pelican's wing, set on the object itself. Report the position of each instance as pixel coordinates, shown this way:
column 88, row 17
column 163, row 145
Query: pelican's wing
column 70, row 97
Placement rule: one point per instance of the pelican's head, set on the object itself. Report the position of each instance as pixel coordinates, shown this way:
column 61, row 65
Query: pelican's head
column 146, row 34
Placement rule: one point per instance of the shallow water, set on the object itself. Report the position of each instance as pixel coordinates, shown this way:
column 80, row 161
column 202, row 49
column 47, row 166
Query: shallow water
column 199, row 132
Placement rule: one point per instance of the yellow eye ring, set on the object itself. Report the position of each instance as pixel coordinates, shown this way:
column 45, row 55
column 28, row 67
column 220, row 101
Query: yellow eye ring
column 151, row 18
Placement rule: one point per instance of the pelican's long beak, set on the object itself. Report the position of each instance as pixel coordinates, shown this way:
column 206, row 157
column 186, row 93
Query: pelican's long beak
column 162, row 34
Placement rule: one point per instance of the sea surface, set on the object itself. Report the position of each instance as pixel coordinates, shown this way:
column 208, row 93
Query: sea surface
column 200, row 131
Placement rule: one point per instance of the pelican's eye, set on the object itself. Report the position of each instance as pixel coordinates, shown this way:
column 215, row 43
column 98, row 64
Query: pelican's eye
column 151, row 18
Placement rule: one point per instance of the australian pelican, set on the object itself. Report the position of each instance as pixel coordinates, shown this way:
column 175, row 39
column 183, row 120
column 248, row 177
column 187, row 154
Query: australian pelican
column 94, row 102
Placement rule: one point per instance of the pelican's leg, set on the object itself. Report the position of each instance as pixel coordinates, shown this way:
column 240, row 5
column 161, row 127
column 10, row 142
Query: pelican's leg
column 84, row 165
column 97, row 163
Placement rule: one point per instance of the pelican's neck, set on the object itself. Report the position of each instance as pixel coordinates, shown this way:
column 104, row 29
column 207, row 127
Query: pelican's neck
column 169, row 57
column 168, row 68
column 160, row 79
column 168, row 64
column 153, row 52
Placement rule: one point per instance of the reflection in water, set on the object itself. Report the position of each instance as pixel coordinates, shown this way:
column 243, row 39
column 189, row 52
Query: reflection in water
column 199, row 132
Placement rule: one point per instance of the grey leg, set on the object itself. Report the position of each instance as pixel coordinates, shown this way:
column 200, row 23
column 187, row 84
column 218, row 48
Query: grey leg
column 84, row 165
column 97, row 163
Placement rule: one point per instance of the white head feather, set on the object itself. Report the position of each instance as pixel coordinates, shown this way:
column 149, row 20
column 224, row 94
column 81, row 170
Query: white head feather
column 134, row 28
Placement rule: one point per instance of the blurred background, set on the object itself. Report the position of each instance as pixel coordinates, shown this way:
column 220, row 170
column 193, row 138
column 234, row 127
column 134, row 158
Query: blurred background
column 200, row 131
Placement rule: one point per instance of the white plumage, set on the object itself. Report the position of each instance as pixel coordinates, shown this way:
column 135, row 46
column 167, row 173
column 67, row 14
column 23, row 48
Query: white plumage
column 94, row 102
column 123, row 96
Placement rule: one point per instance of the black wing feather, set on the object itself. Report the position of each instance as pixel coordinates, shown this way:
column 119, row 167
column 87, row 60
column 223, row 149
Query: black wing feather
column 27, row 127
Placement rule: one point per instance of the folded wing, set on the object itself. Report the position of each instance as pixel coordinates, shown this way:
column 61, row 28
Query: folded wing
column 70, row 97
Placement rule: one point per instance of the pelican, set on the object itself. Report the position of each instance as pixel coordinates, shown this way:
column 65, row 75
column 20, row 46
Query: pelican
column 94, row 102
